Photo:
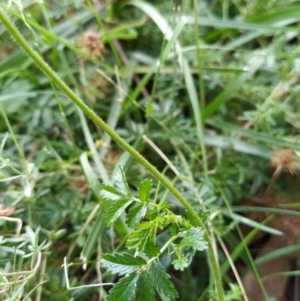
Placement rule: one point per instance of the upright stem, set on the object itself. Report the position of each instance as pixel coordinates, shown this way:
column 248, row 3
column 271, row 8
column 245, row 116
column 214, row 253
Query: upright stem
column 38, row 60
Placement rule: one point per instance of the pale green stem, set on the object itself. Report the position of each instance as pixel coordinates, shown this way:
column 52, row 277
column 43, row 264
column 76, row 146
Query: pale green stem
column 98, row 121
column 173, row 238
column 165, row 246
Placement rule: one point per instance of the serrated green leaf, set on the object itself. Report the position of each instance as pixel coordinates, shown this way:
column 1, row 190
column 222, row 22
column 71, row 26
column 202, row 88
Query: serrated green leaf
column 144, row 191
column 121, row 183
column 136, row 214
column 145, row 290
column 204, row 215
column 109, row 193
column 174, row 229
column 161, row 280
column 116, row 209
column 193, row 238
column 161, row 222
column 165, row 207
column 180, row 263
column 183, row 253
column 151, row 250
column 143, row 234
column 152, row 214
column 191, row 218
column 182, row 256
column 124, row 290
column 122, row 264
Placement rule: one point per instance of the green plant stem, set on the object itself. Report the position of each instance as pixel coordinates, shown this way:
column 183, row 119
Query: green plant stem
column 164, row 248
column 12, row 135
column 166, row 245
column 38, row 60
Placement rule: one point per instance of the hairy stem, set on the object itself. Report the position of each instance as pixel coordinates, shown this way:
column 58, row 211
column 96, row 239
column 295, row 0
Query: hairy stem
column 38, row 60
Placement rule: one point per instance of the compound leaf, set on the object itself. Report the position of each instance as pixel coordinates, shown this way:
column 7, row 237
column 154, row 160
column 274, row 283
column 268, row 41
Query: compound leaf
column 193, row 238
column 124, row 290
column 136, row 214
column 180, row 263
column 143, row 234
column 144, row 191
column 182, row 256
column 116, row 209
column 122, row 264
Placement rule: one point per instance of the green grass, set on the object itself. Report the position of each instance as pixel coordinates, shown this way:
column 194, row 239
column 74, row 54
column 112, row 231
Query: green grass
column 218, row 97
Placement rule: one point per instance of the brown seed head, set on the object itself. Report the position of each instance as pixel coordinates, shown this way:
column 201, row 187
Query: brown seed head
column 90, row 43
column 284, row 159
